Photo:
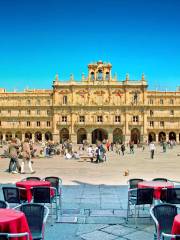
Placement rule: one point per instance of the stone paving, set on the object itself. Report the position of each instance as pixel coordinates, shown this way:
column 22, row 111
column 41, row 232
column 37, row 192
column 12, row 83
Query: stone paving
column 95, row 195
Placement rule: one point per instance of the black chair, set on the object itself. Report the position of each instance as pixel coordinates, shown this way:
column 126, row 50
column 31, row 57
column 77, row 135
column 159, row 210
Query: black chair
column 170, row 236
column 7, row 236
column 170, row 195
column 31, row 179
column 4, row 204
column 163, row 216
column 11, row 195
column 133, row 183
column 44, row 195
column 160, row 179
column 36, row 215
column 140, row 196
column 56, row 183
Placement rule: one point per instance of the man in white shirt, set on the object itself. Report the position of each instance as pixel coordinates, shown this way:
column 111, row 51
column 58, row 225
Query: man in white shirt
column 152, row 149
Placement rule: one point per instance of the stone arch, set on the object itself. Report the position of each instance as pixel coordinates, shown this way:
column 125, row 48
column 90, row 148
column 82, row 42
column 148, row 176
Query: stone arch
column 18, row 135
column 162, row 136
column 99, row 134
column 135, row 135
column 28, row 135
column 64, row 135
column 151, row 137
column 8, row 136
column 172, row 136
column 117, row 135
column 38, row 136
column 81, row 135
column 100, row 75
column 48, row 136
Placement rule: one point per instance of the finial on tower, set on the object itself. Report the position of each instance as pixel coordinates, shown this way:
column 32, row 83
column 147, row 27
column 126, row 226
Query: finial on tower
column 56, row 78
column 143, row 77
column 83, row 76
column 127, row 76
column 71, row 77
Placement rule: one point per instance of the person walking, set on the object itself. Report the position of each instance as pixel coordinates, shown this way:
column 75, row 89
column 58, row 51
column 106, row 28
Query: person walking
column 152, row 149
column 13, row 154
column 26, row 156
column 123, row 148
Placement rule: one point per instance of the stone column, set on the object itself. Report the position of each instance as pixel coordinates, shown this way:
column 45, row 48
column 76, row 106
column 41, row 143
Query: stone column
column 4, row 136
column 73, row 138
column 89, row 138
column 177, row 137
column 56, row 137
column 157, row 137
column 43, row 137
column 127, row 131
column 13, row 135
column 167, row 136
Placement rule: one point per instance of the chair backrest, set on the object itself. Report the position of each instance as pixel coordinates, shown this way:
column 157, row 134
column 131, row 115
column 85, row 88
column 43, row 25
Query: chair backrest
column 133, row 183
column 41, row 195
column 171, row 195
column 160, row 179
column 6, row 236
column 165, row 213
column 11, row 194
column 3, row 204
column 54, row 182
column 144, row 196
column 34, row 214
column 33, row 179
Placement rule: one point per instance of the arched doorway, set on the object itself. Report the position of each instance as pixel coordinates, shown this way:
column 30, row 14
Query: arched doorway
column 151, row 137
column 172, row 136
column 81, row 135
column 48, row 136
column 8, row 136
column 18, row 135
column 28, row 135
column 1, row 136
column 162, row 136
column 135, row 135
column 38, row 136
column 99, row 134
column 64, row 135
column 117, row 135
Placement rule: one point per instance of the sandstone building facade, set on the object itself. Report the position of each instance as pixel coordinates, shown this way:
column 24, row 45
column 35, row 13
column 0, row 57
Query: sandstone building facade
column 98, row 107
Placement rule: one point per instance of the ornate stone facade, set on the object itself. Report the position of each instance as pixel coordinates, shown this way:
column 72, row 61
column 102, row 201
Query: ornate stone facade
column 97, row 107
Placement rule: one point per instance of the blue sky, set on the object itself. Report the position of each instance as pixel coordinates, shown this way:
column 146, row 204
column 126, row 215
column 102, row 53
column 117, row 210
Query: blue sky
column 39, row 38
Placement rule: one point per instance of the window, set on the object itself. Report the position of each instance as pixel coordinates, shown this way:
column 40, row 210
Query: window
column 171, row 101
column 151, row 113
column 100, row 75
column 38, row 112
column 99, row 119
column 48, row 102
column 38, row 124
column 38, row 102
column 28, row 112
column 19, row 112
column 28, row 102
column 81, row 118
column 117, row 118
column 64, row 99
column 161, row 101
column 162, row 123
column 48, row 112
column 107, row 76
column 171, row 112
column 9, row 111
column 48, row 124
column 135, row 118
column 151, row 101
column 151, row 123
column 28, row 123
column 64, row 118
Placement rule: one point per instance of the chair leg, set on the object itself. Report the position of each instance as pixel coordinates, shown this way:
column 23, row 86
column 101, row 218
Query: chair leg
column 135, row 217
column 60, row 204
column 128, row 206
column 56, row 209
column 51, row 214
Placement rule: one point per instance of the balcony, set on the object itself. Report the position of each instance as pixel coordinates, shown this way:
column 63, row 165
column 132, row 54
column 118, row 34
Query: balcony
column 94, row 123
column 175, row 125
column 60, row 123
column 139, row 123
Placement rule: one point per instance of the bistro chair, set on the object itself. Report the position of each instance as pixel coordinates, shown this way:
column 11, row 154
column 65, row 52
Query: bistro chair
column 170, row 195
column 36, row 215
column 46, row 195
column 170, row 236
column 56, row 183
column 133, row 183
column 140, row 196
column 7, row 236
column 160, row 179
column 13, row 194
column 163, row 217
column 31, row 179
column 3, row 204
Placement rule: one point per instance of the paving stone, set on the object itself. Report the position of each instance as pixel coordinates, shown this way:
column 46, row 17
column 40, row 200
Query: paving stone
column 86, row 228
column 140, row 235
column 118, row 230
column 100, row 213
column 105, row 220
column 98, row 235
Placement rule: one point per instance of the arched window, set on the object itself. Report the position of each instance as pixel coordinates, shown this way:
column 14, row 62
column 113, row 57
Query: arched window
column 107, row 76
column 100, row 75
column 65, row 100
column 92, row 76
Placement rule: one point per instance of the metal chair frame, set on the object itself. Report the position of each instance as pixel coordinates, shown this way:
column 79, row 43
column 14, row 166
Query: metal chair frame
column 4, row 202
column 14, row 235
column 170, row 236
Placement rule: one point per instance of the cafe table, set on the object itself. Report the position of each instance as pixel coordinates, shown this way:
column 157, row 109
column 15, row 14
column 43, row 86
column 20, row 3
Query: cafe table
column 13, row 221
column 28, row 185
column 157, row 186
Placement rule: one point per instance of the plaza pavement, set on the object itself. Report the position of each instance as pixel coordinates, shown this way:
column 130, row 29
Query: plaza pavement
column 95, row 195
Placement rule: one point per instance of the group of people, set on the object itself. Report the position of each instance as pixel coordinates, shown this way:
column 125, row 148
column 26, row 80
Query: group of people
column 15, row 148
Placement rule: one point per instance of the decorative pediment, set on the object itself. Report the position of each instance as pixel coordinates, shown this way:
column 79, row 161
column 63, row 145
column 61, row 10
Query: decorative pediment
column 100, row 92
column 117, row 93
column 64, row 92
column 82, row 92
